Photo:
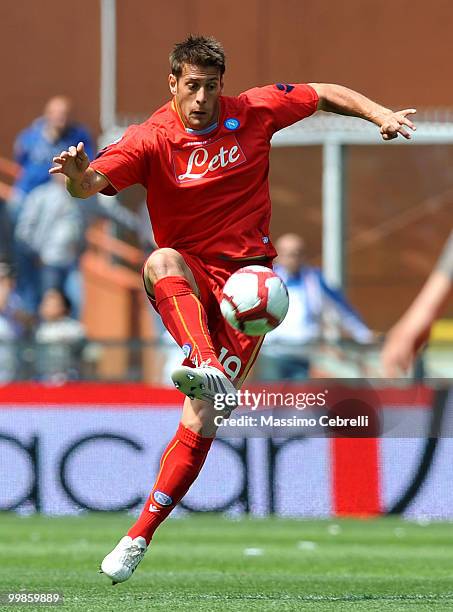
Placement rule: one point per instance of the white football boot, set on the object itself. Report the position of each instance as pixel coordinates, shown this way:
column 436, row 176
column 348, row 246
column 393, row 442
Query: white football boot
column 205, row 383
column 120, row 564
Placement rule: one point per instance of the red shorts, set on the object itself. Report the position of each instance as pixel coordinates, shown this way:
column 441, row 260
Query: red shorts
column 235, row 351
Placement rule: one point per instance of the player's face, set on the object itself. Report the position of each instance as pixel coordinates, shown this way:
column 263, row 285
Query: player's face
column 197, row 93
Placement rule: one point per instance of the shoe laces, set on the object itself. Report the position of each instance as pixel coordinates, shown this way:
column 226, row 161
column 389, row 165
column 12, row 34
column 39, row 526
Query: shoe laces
column 133, row 555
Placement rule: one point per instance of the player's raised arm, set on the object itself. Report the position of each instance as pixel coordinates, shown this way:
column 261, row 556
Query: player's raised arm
column 344, row 101
column 81, row 180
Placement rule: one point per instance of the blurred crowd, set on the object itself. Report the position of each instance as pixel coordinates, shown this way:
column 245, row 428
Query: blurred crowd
column 42, row 238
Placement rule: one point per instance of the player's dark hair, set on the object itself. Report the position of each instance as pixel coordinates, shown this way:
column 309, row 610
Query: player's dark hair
column 197, row 51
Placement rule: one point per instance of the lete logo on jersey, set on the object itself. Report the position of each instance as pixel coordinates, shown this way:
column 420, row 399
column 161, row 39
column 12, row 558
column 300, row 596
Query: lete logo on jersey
column 209, row 160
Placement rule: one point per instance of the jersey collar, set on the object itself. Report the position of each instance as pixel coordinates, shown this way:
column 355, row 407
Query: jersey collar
column 206, row 130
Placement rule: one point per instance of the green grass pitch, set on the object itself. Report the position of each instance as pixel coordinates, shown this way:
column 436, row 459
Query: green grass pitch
column 210, row 563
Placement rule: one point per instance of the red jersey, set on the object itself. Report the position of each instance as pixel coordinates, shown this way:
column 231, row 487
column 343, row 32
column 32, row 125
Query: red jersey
column 208, row 194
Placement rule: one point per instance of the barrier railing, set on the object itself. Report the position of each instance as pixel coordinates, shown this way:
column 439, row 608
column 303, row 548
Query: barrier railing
column 85, row 361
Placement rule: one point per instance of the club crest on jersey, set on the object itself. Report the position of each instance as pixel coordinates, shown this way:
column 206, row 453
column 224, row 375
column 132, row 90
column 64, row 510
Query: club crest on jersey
column 231, row 123
column 209, row 160
column 162, row 498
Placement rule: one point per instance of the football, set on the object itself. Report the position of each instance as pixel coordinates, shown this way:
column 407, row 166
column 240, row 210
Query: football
column 255, row 300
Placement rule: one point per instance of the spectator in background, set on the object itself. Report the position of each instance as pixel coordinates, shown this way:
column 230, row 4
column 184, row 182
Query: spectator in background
column 41, row 141
column 50, row 237
column 59, row 338
column 317, row 312
column 33, row 149
column 13, row 323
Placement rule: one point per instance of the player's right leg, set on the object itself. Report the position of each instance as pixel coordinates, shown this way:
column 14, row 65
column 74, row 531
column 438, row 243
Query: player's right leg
column 171, row 283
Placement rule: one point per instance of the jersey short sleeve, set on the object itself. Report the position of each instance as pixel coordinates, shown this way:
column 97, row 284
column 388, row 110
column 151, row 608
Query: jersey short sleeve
column 281, row 104
column 123, row 163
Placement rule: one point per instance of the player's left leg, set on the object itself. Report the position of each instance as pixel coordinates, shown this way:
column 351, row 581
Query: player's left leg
column 185, row 454
column 180, row 465
column 181, row 461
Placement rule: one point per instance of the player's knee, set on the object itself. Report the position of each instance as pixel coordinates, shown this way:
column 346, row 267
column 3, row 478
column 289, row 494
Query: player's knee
column 163, row 262
column 201, row 417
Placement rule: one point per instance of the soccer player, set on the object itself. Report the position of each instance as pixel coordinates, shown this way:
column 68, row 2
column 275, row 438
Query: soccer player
column 204, row 160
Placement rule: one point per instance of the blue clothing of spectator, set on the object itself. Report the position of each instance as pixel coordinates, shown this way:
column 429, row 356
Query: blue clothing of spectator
column 317, row 312
column 50, row 237
column 313, row 304
column 34, row 150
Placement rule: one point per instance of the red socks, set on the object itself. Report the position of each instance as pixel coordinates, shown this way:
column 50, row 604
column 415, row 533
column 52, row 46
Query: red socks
column 180, row 465
column 184, row 316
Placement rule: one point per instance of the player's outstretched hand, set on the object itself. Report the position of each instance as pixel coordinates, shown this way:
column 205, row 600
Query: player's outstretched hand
column 397, row 123
column 72, row 163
